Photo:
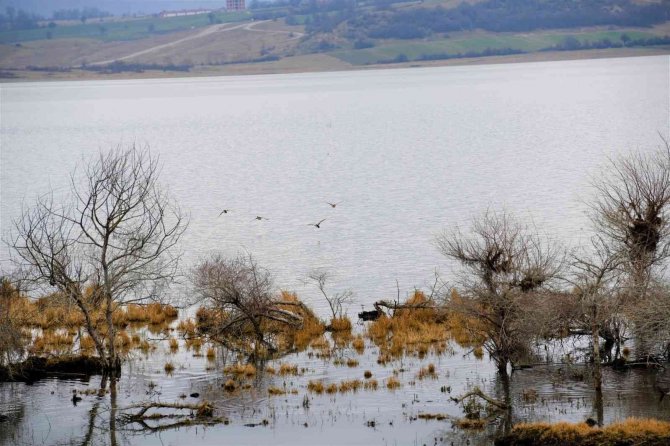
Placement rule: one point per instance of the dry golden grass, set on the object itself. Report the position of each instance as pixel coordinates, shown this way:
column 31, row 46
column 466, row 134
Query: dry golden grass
column 465, row 330
column 238, row 369
column 467, row 423
column 158, row 314
column 273, row 391
column 174, row 345
column 322, row 347
column 169, row 367
column 270, row 370
column 392, row 383
column 638, row 431
column 145, row 346
column 340, row 324
column 86, row 343
column 187, row 328
column 288, row 369
column 432, row 416
column 370, row 384
column 416, row 331
column 351, row 385
column 55, row 311
column 331, row 388
column 367, row 374
column 207, row 318
column 315, row 387
column 123, row 340
column 312, row 327
column 427, row 372
column 358, row 344
column 352, row 362
column 135, row 313
column 52, row 342
column 211, row 353
column 230, row 385
column 194, row 344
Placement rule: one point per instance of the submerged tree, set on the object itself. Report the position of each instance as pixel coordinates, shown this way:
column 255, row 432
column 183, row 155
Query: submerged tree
column 504, row 266
column 631, row 214
column 596, row 279
column 631, row 211
column 110, row 242
column 244, row 313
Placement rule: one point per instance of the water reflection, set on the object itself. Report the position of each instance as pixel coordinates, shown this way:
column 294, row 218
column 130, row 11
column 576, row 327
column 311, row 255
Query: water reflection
column 545, row 392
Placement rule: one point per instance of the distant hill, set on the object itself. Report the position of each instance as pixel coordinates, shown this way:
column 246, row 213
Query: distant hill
column 116, row 7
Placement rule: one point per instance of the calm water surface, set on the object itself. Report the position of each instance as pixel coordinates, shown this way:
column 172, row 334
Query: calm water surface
column 407, row 152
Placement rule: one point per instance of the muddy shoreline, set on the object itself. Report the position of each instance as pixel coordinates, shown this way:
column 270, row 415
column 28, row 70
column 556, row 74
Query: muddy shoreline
column 317, row 63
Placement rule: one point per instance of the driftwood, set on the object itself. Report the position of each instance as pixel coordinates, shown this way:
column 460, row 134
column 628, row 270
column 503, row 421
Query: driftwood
column 203, row 416
column 477, row 392
column 397, row 306
column 203, row 409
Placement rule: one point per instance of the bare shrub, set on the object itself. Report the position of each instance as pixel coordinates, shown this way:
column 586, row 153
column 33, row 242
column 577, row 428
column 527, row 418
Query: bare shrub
column 111, row 241
column 504, row 264
column 247, row 316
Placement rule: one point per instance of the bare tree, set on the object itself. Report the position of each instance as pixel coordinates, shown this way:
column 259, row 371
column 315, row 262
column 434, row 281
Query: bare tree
column 631, row 212
column 596, row 279
column 247, row 315
column 504, row 264
column 337, row 301
column 115, row 234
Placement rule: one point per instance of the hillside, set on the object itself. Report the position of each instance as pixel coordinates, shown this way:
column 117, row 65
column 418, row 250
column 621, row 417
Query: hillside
column 342, row 33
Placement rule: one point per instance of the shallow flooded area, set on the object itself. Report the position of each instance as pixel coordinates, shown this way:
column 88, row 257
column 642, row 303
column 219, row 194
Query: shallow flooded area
column 342, row 397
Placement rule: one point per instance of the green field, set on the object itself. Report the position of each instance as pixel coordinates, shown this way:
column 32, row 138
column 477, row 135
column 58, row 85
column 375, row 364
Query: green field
column 524, row 42
column 122, row 30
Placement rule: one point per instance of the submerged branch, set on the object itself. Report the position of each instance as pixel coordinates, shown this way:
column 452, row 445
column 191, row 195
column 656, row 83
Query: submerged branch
column 477, row 392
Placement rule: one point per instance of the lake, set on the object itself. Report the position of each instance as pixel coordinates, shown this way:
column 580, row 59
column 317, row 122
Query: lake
column 406, row 153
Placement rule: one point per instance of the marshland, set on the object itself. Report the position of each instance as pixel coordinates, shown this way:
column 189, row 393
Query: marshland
column 504, row 227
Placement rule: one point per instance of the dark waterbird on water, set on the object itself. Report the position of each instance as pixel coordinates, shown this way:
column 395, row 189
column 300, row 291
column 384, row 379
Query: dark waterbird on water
column 333, row 205
column 317, row 225
column 258, row 217
column 75, row 398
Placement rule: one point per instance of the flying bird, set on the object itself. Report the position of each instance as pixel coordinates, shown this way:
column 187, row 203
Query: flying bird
column 225, row 211
column 333, row 205
column 317, row 225
column 258, row 217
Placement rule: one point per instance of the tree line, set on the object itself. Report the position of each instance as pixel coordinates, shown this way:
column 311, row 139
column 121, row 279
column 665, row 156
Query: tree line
column 17, row 19
column 384, row 22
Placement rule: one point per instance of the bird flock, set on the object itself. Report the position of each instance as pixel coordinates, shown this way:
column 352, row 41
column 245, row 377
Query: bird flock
column 260, row 218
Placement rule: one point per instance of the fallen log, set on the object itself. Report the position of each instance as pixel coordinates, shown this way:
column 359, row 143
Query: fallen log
column 478, row 393
column 204, row 409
